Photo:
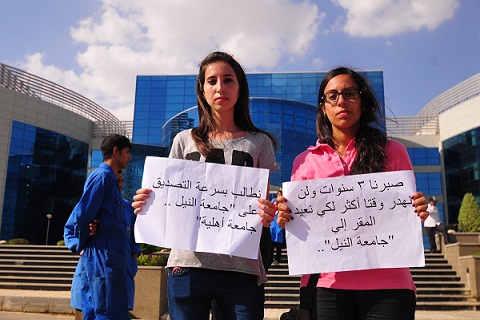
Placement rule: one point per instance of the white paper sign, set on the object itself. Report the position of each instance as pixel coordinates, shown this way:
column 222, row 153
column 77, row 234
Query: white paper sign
column 203, row 207
column 352, row 223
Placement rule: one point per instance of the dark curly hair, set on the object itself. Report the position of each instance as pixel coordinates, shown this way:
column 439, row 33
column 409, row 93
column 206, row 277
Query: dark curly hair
column 242, row 117
column 370, row 141
column 112, row 141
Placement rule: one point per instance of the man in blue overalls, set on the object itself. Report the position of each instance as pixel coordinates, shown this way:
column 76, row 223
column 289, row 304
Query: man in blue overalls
column 102, row 262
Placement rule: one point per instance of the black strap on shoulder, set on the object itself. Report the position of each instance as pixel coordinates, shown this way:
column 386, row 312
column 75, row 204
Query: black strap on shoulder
column 307, row 293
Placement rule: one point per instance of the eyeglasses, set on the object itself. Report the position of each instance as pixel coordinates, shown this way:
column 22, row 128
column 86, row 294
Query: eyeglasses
column 349, row 94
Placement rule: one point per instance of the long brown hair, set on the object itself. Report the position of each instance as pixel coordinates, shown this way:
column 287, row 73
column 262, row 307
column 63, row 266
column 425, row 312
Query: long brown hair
column 242, row 117
column 370, row 141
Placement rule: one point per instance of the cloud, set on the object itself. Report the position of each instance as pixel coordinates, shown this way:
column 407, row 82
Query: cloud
column 130, row 38
column 318, row 63
column 393, row 17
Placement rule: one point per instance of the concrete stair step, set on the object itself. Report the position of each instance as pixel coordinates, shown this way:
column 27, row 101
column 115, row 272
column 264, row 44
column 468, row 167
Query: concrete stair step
column 434, row 255
column 452, row 305
column 283, row 265
column 439, row 284
column 446, row 297
column 443, row 278
column 36, row 286
column 33, row 247
column 40, row 268
column 433, row 264
column 439, row 272
column 36, row 262
column 277, row 284
column 36, row 279
column 283, row 272
column 34, row 257
column 282, row 277
column 34, row 267
column 437, row 266
column 282, row 297
column 33, row 273
column 283, row 290
column 444, row 291
column 279, row 304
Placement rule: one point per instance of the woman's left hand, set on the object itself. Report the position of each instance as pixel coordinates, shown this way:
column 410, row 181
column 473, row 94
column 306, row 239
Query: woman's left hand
column 266, row 212
column 420, row 205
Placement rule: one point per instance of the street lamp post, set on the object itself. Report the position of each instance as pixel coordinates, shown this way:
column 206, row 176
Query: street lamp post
column 49, row 216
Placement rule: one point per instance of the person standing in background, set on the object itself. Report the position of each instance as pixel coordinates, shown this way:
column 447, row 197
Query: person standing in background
column 434, row 224
column 103, row 257
column 278, row 236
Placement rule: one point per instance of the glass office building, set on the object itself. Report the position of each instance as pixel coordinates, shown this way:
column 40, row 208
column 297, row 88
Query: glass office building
column 52, row 139
column 47, row 138
column 283, row 104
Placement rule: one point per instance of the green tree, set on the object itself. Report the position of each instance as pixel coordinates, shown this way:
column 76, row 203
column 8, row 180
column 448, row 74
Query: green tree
column 469, row 216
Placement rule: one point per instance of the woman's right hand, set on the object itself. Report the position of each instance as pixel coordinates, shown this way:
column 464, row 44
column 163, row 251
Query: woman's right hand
column 140, row 199
column 284, row 212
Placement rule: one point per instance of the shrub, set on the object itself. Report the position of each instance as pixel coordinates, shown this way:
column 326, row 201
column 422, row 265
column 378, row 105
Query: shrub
column 152, row 260
column 469, row 216
column 17, row 241
column 148, row 248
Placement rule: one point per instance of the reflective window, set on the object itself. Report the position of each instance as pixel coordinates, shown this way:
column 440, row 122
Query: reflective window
column 46, row 172
column 429, row 183
column 424, row 156
column 292, row 132
column 461, row 165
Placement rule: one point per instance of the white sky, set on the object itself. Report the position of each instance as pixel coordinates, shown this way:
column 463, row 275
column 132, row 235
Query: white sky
column 98, row 47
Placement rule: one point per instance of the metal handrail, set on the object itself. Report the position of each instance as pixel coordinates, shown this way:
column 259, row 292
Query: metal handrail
column 457, row 94
column 102, row 129
column 412, row 126
column 34, row 86
column 106, row 123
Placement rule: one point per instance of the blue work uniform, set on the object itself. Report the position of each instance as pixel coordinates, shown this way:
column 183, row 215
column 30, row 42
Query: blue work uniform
column 132, row 247
column 101, row 268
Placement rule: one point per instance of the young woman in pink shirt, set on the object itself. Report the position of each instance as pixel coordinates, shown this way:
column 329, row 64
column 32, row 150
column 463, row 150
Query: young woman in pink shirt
column 348, row 144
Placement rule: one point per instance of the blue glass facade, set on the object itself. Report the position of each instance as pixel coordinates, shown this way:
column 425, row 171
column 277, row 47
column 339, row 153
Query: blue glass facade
column 461, row 165
column 424, row 156
column 158, row 99
column 292, row 124
column 134, row 172
column 45, row 174
column 281, row 103
column 430, row 183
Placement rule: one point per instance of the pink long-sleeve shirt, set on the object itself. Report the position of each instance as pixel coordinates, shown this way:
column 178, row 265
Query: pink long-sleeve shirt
column 322, row 161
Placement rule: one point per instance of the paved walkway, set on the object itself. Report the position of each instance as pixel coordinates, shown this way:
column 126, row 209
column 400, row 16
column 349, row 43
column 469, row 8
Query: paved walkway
column 43, row 305
column 273, row 314
column 270, row 314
